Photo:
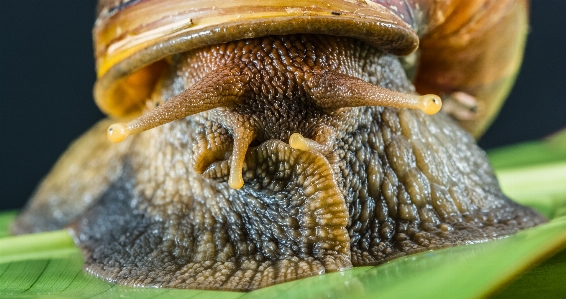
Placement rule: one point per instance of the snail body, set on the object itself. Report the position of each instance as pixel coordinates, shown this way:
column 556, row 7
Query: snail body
column 280, row 143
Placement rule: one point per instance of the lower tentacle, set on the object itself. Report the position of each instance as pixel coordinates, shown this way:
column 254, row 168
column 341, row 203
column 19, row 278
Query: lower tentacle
column 243, row 136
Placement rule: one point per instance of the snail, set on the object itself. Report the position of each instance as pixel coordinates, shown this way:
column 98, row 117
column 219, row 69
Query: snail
column 258, row 142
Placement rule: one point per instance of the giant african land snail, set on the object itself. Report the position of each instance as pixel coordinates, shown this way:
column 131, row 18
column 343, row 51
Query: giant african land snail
column 273, row 166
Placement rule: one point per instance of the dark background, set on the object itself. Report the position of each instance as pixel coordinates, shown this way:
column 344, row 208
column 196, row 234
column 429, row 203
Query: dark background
column 47, row 73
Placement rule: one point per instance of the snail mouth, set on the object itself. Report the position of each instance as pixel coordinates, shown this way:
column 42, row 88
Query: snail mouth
column 219, row 169
column 225, row 156
column 275, row 168
column 214, row 161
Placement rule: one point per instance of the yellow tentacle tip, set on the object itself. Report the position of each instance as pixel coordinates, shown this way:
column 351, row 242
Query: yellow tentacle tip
column 236, row 181
column 297, row 141
column 430, row 103
column 117, row 132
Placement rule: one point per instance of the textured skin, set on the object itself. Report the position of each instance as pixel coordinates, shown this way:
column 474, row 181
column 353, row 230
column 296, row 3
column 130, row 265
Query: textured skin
column 394, row 181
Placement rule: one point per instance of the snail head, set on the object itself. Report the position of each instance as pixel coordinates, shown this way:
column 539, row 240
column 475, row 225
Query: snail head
column 275, row 88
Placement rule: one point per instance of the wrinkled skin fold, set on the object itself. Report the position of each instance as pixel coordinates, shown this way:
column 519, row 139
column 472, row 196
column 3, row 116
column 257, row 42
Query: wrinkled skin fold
column 156, row 210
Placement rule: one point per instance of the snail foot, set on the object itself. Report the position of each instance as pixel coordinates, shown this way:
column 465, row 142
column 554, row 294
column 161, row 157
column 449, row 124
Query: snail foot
column 220, row 242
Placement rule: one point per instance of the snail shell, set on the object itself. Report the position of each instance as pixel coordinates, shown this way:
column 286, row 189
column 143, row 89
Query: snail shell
column 281, row 145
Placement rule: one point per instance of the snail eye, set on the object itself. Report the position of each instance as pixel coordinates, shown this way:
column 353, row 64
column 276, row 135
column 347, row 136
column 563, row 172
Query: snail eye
column 430, row 103
column 118, row 132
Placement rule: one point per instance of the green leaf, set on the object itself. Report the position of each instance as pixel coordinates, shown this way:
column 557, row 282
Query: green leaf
column 534, row 173
column 461, row 272
column 5, row 220
column 48, row 265
column 552, row 150
column 541, row 187
column 34, row 246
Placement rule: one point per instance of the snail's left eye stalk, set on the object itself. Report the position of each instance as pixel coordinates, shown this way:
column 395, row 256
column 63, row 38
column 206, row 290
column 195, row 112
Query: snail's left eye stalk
column 333, row 91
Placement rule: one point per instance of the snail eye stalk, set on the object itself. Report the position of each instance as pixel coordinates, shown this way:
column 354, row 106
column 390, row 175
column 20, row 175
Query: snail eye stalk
column 334, row 91
column 218, row 89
